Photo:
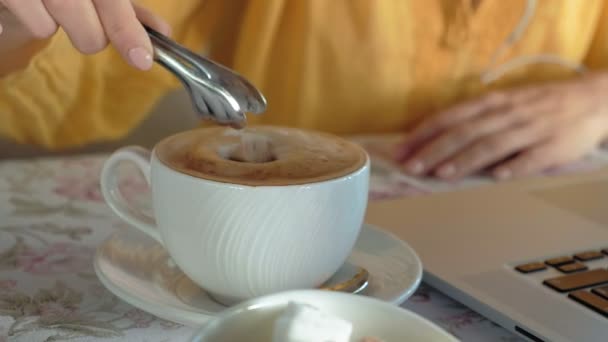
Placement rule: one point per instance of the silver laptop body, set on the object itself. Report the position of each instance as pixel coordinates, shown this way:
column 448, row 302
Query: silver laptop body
column 471, row 243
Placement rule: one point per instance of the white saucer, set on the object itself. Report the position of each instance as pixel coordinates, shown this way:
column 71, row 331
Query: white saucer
column 139, row 270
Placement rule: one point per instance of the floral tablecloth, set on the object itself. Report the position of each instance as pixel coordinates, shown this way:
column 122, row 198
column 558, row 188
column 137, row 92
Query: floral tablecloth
column 52, row 219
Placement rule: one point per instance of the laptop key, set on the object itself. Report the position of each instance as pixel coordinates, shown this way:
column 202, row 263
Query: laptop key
column 573, row 267
column 590, row 300
column 601, row 291
column 559, row 261
column 531, row 267
column 578, row 280
column 589, row 255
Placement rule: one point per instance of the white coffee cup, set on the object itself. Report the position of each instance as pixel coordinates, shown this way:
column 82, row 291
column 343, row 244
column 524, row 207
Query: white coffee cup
column 237, row 241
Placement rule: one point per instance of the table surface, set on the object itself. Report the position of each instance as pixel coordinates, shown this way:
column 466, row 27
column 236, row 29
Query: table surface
column 53, row 218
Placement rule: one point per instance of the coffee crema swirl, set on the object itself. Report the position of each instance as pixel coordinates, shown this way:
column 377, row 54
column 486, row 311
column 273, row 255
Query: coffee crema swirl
column 293, row 156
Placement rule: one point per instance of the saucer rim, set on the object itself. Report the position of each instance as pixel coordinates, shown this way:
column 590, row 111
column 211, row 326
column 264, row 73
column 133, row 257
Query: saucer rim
column 194, row 318
column 419, row 271
column 144, row 305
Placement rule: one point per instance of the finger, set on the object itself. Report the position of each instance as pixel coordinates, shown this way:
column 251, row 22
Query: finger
column 463, row 112
column 567, row 145
column 125, row 31
column 7, row 19
column 533, row 161
column 405, row 148
column 457, row 139
column 34, row 16
column 151, row 19
column 79, row 20
column 490, row 150
column 453, row 116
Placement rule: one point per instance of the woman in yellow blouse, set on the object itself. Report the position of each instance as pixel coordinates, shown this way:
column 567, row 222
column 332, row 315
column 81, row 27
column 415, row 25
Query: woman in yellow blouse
column 526, row 74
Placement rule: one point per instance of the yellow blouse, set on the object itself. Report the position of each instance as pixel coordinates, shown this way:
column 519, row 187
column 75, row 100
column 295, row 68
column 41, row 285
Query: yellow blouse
column 344, row 66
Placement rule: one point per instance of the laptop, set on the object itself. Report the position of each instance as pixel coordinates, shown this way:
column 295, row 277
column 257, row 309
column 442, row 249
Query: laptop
column 531, row 255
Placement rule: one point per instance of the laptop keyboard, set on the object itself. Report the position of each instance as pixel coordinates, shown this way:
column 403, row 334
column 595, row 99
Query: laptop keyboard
column 583, row 285
column 578, row 281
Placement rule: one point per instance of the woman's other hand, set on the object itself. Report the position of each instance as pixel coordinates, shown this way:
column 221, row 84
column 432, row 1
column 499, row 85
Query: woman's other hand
column 514, row 133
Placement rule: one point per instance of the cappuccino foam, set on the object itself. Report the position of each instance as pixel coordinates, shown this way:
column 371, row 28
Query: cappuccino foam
column 261, row 155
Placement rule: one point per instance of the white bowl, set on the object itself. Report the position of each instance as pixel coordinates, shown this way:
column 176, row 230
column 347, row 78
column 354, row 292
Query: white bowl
column 253, row 321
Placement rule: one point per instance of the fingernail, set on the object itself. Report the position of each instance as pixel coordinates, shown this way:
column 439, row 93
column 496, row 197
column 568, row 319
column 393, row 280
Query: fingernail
column 415, row 167
column 447, row 171
column 141, row 58
column 1, row 28
column 503, row 174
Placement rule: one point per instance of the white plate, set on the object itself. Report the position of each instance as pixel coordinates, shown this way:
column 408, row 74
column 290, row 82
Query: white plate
column 254, row 320
column 139, row 270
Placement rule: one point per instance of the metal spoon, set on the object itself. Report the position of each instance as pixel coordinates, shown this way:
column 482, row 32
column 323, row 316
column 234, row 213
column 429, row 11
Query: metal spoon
column 217, row 93
column 349, row 278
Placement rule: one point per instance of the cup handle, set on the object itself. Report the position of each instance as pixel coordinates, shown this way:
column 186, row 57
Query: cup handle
column 111, row 192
